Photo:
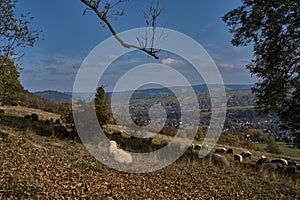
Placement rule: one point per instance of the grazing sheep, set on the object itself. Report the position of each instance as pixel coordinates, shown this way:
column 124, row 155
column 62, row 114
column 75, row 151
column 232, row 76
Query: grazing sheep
column 197, row 146
column 48, row 121
column 27, row 117
column 2, row 111
column 282, row 161
column 163, row 143
column 117, row 133
column 262, row 160
column 290, row 169
column 147, row 140
column 230, row 151
column 272, row 167
column 34, row 117
column 217, row 159
column 220, row 150
column 205, row 146
column 238, row 157
column 57, row 121
column 119, row 155
column 246, row 154
column 291, row 162
column 60, row 129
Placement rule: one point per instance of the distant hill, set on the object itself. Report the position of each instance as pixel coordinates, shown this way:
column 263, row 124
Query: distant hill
column 54, row 96
column 142, row 93
column 31, row 100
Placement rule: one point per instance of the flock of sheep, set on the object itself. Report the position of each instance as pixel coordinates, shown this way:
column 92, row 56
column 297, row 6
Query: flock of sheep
column 280, row 165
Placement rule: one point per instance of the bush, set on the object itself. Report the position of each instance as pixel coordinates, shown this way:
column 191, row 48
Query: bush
column 272, row 146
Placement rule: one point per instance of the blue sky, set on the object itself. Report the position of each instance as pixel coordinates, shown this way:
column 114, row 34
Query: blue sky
column 68, row 37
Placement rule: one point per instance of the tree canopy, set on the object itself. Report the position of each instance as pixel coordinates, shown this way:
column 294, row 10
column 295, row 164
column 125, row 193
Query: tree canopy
column 273, row 27
column 15, row 31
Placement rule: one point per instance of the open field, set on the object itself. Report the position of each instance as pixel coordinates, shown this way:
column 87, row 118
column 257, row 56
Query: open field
column 285, row 149
column 40, row 166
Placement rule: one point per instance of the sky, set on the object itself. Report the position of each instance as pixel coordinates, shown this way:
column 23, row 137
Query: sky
column 68, row 37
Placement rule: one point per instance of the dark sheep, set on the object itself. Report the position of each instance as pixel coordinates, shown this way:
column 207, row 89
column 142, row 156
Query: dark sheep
column 2, row 111
column 246, row 154
column 291, row 162
column 272, row 167
column 197, row 146
column 217, row 159
column 281, row 161
column 238, row 157
column 147, row 140
column 117, row 133
column 291, row 169
column 34, row 117
column 262, row 160
column 230, row 151
column 220, row 150
column 57, row 121
column 27, row 117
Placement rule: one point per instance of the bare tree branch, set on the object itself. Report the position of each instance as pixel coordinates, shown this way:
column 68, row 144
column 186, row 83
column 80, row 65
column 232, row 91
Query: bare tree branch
column 102, row 12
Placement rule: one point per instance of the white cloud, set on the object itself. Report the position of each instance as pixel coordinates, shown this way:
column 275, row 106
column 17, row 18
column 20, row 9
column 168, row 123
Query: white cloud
column 227, row 66
column 171, row 61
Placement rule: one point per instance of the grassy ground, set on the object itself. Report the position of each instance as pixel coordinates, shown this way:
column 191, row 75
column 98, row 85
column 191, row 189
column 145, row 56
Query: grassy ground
column 41, row 167
column 285, row 149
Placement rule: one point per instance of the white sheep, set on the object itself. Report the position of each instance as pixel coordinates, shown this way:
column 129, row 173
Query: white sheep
column 119, row 155
column 238, row 157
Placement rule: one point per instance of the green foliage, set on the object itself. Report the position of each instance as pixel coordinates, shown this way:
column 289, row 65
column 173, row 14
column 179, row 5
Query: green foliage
column 229, row 139
column 258, row 135
column 14, row 31
column 10, row 86
column 272, row 146
column 102, row 102
column 274, row 28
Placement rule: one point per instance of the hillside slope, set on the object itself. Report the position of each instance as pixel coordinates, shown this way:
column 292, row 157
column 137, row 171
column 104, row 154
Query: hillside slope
column 35, row 166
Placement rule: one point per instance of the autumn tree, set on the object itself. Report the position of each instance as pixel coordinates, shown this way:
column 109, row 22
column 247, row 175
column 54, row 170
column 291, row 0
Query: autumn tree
column 107, row 10
column 15, row 31
column 10, row 86
column 273, row 27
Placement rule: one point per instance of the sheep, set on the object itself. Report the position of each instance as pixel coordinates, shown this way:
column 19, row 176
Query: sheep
column 27, row 117
column 262, row 160
column 290, row 169
column 197, row 146
column 163, row 143
column 272, row 167
column 34, row 117
column 217, row 159
column 119, row 155
column 238, row 157
column 117, row 133
column 291, row 162
column 282, row 161
column 246, row 154
column 220, row 150
column 229, row 151
column 147, row 140
column 2, row 111
column 205, row 146
column 57, row 121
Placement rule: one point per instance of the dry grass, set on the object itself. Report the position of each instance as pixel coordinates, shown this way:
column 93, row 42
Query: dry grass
column 39, row 167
